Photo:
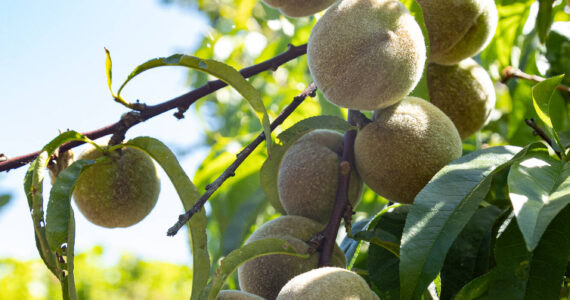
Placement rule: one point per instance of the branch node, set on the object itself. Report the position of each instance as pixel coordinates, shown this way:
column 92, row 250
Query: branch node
column 138, row 106
column 347, row 217
column 316, row 242
column 508, row 73
column 127, row 121
column 344, row 168
column 180, row 113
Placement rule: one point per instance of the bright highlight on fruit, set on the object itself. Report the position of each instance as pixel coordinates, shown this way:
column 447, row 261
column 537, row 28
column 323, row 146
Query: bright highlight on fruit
column 327, row 283
column 236, row 295
column 118, row 191
column 366, row 54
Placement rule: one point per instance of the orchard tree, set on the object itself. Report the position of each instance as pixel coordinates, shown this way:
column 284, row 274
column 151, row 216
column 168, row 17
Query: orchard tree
column 436, row 141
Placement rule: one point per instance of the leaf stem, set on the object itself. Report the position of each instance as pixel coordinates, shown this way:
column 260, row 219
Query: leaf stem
column 241, row 156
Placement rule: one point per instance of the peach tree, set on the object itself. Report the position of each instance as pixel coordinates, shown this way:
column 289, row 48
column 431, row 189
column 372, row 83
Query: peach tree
column 448, row 209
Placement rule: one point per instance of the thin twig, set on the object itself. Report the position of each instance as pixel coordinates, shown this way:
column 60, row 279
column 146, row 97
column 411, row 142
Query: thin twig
column 181, row 103
column 230, row 171
column 341, row 202
column 538, row 131
column 510, row 72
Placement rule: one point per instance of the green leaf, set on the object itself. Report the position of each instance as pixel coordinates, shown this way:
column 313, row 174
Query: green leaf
column 380, row 238
column 541, row 94
column 270, row 169
column 512, row 18
column 33, row 187
column 544, row 18
column 188, row 194
column 382, row 262
column 4, row 199
column 476, row 289
column 539, row 188
column 441, row 210
column 469, row 255
column 39, row 166
column 242, row 255
column 521, row 274
column 220, row 70
column 350, row 246
column 68, row 283
column 39, row 232
column 557, row 49
column 108, row 67
column 58, row 217
column 241, row 221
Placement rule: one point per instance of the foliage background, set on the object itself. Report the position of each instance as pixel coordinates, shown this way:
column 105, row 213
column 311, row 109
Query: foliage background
column 245, row 32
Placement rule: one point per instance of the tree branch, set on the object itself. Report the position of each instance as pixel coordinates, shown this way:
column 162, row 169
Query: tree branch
column 341, row 203
column 510, row 72
column 181, row 102
column 230, row 171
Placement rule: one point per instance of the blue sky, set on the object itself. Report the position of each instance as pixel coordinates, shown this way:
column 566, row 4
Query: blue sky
column 52, row 76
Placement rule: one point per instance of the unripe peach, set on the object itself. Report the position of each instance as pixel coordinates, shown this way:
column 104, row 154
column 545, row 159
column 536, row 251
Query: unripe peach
column 406, row 144
column 464, row 92
column 327, row 283
column 458, row 29
column 366, row 54
column 308, row 176
column 119, row 191
column 266, row 275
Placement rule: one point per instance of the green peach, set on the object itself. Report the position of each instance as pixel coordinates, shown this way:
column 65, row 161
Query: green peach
column 366, row 54
column 308, row 176
column 327, row 283
column 464, row 92
column 406, row 144
column 266, row 275
column 458, row 29
column 119, row 191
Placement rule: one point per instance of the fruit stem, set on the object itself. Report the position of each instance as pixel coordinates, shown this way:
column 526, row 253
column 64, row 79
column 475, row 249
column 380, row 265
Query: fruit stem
column 339, row 210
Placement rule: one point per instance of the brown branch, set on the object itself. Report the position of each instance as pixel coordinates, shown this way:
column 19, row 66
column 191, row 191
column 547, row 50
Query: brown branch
column 341, row 202
column 510, row 72
column 181, row 102
column 230, row 171
column 538, row 131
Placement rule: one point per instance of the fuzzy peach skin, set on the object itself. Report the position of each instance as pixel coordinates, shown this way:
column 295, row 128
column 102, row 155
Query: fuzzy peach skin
column 404, row 147
column 458, row 29
column 366, row 54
